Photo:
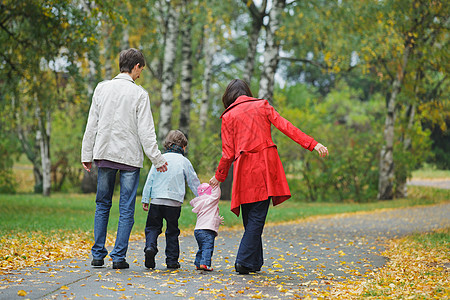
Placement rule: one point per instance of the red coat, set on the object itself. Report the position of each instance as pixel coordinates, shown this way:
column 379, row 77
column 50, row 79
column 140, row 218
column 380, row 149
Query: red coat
column 247, row 140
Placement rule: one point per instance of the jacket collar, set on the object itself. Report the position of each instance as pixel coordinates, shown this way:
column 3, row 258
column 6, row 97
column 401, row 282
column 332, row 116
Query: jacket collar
column 124, row 76
column 239, row 100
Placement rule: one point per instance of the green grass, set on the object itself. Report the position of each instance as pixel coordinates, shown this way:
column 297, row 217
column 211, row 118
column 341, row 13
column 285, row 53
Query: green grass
column 75, row 212
column 430, row 172
column 436, row 239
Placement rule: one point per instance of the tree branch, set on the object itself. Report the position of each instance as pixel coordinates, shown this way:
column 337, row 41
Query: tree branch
column 308, row 61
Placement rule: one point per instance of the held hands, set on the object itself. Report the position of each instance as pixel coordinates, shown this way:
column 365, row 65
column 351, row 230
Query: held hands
column 323, row 151
column 163, row 168
column 213, row 182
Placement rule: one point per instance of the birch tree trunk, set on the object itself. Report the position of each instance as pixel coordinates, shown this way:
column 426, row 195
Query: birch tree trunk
column 271, row 51
column 186, row 70
column 209, row 49
column 386, row 176
column 401, row 190
column 257, row 16
column 168, row 76
column 43, row 137
column 31, row 152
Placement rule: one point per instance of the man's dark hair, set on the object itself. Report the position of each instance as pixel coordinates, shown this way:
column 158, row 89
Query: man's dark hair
column 235, row 89
column 129, row 58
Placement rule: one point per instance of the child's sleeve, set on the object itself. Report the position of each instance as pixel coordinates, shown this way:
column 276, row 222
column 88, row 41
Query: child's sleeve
column 215, row 193
column 146, row 193
column 191, row 178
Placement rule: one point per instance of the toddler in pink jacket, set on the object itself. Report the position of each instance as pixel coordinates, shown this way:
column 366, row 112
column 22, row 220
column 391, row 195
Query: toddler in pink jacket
column 206, row 206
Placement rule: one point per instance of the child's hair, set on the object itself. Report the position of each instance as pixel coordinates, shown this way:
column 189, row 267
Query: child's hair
column 175, row 137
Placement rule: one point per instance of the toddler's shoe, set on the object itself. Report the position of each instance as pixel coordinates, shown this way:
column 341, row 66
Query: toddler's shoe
column 205, row 268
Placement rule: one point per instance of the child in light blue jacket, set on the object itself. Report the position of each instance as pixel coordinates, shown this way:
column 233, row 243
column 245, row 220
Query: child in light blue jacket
column 166, row 191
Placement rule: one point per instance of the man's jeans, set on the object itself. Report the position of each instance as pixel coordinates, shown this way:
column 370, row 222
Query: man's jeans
column 205, row 240
column 250, row 253
column 129, row 181
column 153, row 228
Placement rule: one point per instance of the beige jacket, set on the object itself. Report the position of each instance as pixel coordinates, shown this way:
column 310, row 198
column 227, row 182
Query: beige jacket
column 120, row 124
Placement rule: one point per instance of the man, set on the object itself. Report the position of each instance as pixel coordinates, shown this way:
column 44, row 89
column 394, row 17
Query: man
column 119, row 125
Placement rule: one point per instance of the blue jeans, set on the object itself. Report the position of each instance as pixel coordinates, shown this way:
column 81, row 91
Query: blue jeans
column 153, row 228
column 205, row 240
column 129, row 181
column 250, row 253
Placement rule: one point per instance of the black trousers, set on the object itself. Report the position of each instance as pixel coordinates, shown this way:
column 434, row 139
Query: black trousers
column 153, row 229
column 250, row 253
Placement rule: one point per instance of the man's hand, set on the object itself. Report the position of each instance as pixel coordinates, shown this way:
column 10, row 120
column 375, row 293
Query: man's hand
column 145, row 206
column 163, row 168
column 87, row 166
column 323, row 151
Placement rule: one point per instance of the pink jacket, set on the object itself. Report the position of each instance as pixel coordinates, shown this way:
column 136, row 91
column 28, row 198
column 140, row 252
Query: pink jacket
column 206, row 206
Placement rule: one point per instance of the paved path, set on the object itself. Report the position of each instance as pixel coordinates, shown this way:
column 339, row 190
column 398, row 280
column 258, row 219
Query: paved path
column 442, row 183
column 300, row 258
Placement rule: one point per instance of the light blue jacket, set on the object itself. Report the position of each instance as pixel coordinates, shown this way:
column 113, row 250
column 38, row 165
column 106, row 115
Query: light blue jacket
column 171, row 184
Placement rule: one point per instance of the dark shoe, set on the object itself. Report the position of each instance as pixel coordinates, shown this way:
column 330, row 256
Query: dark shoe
column 173, row 266
column 97, row 263
column 121, row 265
column 150, row 259
column 241, row 269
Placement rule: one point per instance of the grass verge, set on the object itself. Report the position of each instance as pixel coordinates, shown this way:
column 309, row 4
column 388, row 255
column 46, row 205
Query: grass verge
column 35, row 229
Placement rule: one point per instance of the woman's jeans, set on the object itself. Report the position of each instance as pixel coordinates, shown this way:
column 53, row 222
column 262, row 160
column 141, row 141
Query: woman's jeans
column 129, row 181
column 205, row 240
column 153, row 229
column 250, row 253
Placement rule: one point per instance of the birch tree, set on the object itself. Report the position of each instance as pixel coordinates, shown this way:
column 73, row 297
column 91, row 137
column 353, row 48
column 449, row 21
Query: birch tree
column 209, row 50
column 186, row 69
column 257, row 15
column 168, row 75
column 271, row 51
column 35, row 38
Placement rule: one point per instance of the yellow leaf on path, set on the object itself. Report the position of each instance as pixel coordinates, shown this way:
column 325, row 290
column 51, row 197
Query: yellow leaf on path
column 64, row 287
column 135, row 261
column 22, row 293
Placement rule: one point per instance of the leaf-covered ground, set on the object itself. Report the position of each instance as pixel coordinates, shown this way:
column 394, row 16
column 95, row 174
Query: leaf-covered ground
column 334, row 257
column 415, row 270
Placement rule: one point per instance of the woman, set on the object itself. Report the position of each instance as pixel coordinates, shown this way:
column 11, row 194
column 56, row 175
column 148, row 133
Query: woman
column 258, row 173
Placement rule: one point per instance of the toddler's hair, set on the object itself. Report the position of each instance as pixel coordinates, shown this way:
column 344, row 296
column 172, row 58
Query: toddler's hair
column 175, row 137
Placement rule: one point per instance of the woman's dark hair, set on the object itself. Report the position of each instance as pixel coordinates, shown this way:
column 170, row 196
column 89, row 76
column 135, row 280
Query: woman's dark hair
column 235, row 89
column 129, row 58
column 175, row 137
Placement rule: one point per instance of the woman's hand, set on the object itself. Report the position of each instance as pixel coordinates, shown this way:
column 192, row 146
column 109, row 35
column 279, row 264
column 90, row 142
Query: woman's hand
column 213, row 182
column 323, row 151
column 145, row 206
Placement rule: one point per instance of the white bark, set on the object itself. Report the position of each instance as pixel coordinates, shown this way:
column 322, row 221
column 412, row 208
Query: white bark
column 43, row 137
column 257, row 16
column 168, row 76
column 209, row 49
column 186, row 71
column 386, row 176
column 401, row 190
column 271, row 51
